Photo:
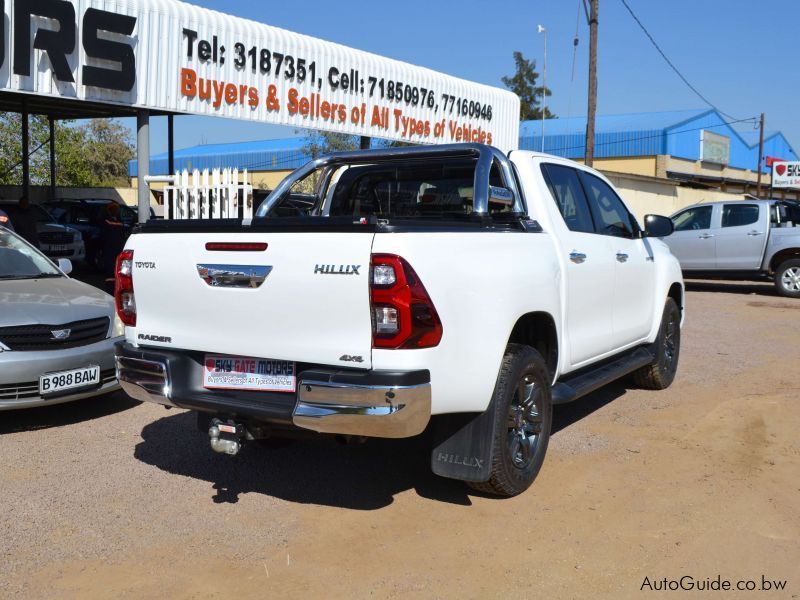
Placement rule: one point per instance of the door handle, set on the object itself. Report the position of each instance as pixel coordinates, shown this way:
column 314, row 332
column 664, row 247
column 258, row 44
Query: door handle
column 622, row 257
column 706, row 236
column 755, row 233
column 577, row 257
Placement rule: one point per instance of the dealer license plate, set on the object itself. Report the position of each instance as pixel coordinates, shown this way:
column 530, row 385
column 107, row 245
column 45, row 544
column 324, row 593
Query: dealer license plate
column 53, row 383
column 248, row 373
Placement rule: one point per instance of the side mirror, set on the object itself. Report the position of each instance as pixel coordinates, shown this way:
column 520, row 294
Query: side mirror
column 500, row 195
column 65, row 265
column 658, row 226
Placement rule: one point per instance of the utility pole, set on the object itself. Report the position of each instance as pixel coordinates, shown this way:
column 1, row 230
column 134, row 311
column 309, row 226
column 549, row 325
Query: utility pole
column 592, row 112
column 760, row 154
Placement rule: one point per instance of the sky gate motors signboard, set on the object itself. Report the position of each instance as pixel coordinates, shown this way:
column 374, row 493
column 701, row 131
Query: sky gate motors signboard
column 167, row 55
column 786, row 174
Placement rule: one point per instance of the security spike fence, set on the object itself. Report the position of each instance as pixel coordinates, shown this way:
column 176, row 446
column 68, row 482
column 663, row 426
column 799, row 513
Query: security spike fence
column 208, row 195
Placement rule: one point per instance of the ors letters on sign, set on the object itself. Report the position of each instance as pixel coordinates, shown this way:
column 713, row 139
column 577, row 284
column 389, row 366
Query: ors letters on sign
column 61, row 41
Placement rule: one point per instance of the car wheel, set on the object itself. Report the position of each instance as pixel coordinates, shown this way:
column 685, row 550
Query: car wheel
column 660, row 373
column 523, row 418
column 787, row 278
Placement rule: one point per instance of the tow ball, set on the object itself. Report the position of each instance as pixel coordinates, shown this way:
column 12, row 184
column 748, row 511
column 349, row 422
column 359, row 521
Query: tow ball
column 226, row 437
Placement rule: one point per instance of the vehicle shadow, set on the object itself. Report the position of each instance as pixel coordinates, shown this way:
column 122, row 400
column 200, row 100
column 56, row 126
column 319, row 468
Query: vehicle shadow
column 69, row 413
column 316, row 471
column 357, row 476
column 565, row 415
column 732, row 287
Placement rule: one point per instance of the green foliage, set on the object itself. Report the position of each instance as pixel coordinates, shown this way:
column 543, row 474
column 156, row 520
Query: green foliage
column 90, row 155
column 523, row 84
column 325, row 142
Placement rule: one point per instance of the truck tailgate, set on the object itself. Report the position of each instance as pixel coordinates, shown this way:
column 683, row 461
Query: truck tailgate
column 313, row 305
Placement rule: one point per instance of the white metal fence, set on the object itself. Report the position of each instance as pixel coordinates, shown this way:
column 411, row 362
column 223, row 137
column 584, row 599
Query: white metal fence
column 208, row 195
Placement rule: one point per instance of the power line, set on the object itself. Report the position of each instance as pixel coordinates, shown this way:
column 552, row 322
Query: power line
column 672, row 65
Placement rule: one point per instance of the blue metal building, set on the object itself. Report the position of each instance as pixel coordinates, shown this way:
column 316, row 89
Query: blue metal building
column 263, row 155
column 697, row 148
column 681, row 134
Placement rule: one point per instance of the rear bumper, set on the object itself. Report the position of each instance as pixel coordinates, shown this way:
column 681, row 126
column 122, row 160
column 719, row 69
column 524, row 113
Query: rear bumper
column 389, row 404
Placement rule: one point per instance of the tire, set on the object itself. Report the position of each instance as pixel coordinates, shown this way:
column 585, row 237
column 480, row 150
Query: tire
column 660, row 373
column 787, row 278
column 520, row 437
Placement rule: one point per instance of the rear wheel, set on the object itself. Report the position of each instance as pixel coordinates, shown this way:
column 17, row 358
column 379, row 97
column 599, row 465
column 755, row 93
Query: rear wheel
column 523, row 417
column 787, row 278
column 661, row 372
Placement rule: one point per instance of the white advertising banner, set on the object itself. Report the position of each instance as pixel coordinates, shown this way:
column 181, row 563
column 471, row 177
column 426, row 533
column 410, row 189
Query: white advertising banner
column 171, row 56
column 786, row 174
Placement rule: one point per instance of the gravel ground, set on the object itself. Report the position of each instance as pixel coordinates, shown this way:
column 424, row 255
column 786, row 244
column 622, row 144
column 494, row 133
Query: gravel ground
column 111, row 498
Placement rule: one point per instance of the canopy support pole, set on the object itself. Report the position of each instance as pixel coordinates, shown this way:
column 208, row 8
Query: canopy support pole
column 143, row 156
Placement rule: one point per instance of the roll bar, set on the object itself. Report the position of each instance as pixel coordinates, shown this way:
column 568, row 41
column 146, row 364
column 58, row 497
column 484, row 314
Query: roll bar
column 486, row 156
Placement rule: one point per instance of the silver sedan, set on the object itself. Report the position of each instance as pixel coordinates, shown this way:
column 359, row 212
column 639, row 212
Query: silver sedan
column 57, row 334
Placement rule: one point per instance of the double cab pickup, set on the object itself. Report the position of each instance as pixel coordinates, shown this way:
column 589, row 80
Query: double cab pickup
column 383, row 293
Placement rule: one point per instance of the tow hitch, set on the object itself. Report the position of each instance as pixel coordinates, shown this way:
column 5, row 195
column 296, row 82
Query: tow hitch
column 227, row 437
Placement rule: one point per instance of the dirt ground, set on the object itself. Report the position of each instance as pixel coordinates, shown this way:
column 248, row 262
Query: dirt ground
column 110, row 498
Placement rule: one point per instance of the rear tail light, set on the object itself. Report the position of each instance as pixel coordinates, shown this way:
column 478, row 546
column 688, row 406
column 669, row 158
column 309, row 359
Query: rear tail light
column 403, row 315
column 123, row 288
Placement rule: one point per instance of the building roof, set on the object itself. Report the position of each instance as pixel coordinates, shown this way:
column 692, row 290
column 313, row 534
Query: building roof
column 675, row 133
column 259, row 155
column 651, row 121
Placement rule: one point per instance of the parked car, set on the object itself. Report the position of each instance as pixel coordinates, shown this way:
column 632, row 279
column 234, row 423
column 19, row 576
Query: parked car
column 55, row 240
column 452, row 282
column 5, row 221
column 86, row 216
column 57, row 334
column 745, row 239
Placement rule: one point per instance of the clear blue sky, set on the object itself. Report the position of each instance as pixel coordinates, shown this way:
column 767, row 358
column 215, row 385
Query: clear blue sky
column 740, row 54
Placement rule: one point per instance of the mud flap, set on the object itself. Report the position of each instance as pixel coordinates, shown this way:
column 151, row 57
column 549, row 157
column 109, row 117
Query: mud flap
column 463, row 447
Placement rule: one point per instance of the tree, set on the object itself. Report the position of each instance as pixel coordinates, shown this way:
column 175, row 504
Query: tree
column 108, row 151
column 89, row 155
column 325, row 142
column 523, row 84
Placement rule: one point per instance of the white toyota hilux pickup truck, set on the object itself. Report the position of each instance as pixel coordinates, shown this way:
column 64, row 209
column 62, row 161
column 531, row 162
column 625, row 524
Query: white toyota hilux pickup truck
column 378, row 293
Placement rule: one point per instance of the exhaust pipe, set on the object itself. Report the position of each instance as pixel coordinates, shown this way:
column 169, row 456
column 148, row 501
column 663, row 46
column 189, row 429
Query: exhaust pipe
column 226, row 438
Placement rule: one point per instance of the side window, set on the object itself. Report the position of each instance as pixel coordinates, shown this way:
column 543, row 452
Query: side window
column 695, row 218
column 610, row 215
column 737, row 215
column 568, row 194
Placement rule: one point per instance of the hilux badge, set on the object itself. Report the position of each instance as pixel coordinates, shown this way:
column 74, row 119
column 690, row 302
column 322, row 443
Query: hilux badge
column 336, row 269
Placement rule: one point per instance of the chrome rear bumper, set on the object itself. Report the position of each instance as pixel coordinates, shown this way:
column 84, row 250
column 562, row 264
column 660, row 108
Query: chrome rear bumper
column 369, row 410
column 349, row 402
column 145, row 380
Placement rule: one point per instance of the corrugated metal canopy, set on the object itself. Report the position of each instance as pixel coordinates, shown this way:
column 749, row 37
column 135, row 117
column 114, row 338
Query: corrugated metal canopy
column 64, row 108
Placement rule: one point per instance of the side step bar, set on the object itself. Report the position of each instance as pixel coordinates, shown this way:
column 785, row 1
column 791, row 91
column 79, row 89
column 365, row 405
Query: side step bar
column 573, row 386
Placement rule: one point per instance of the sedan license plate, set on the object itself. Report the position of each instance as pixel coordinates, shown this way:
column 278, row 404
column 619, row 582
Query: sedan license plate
column 53, row 383
column 248, row 373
